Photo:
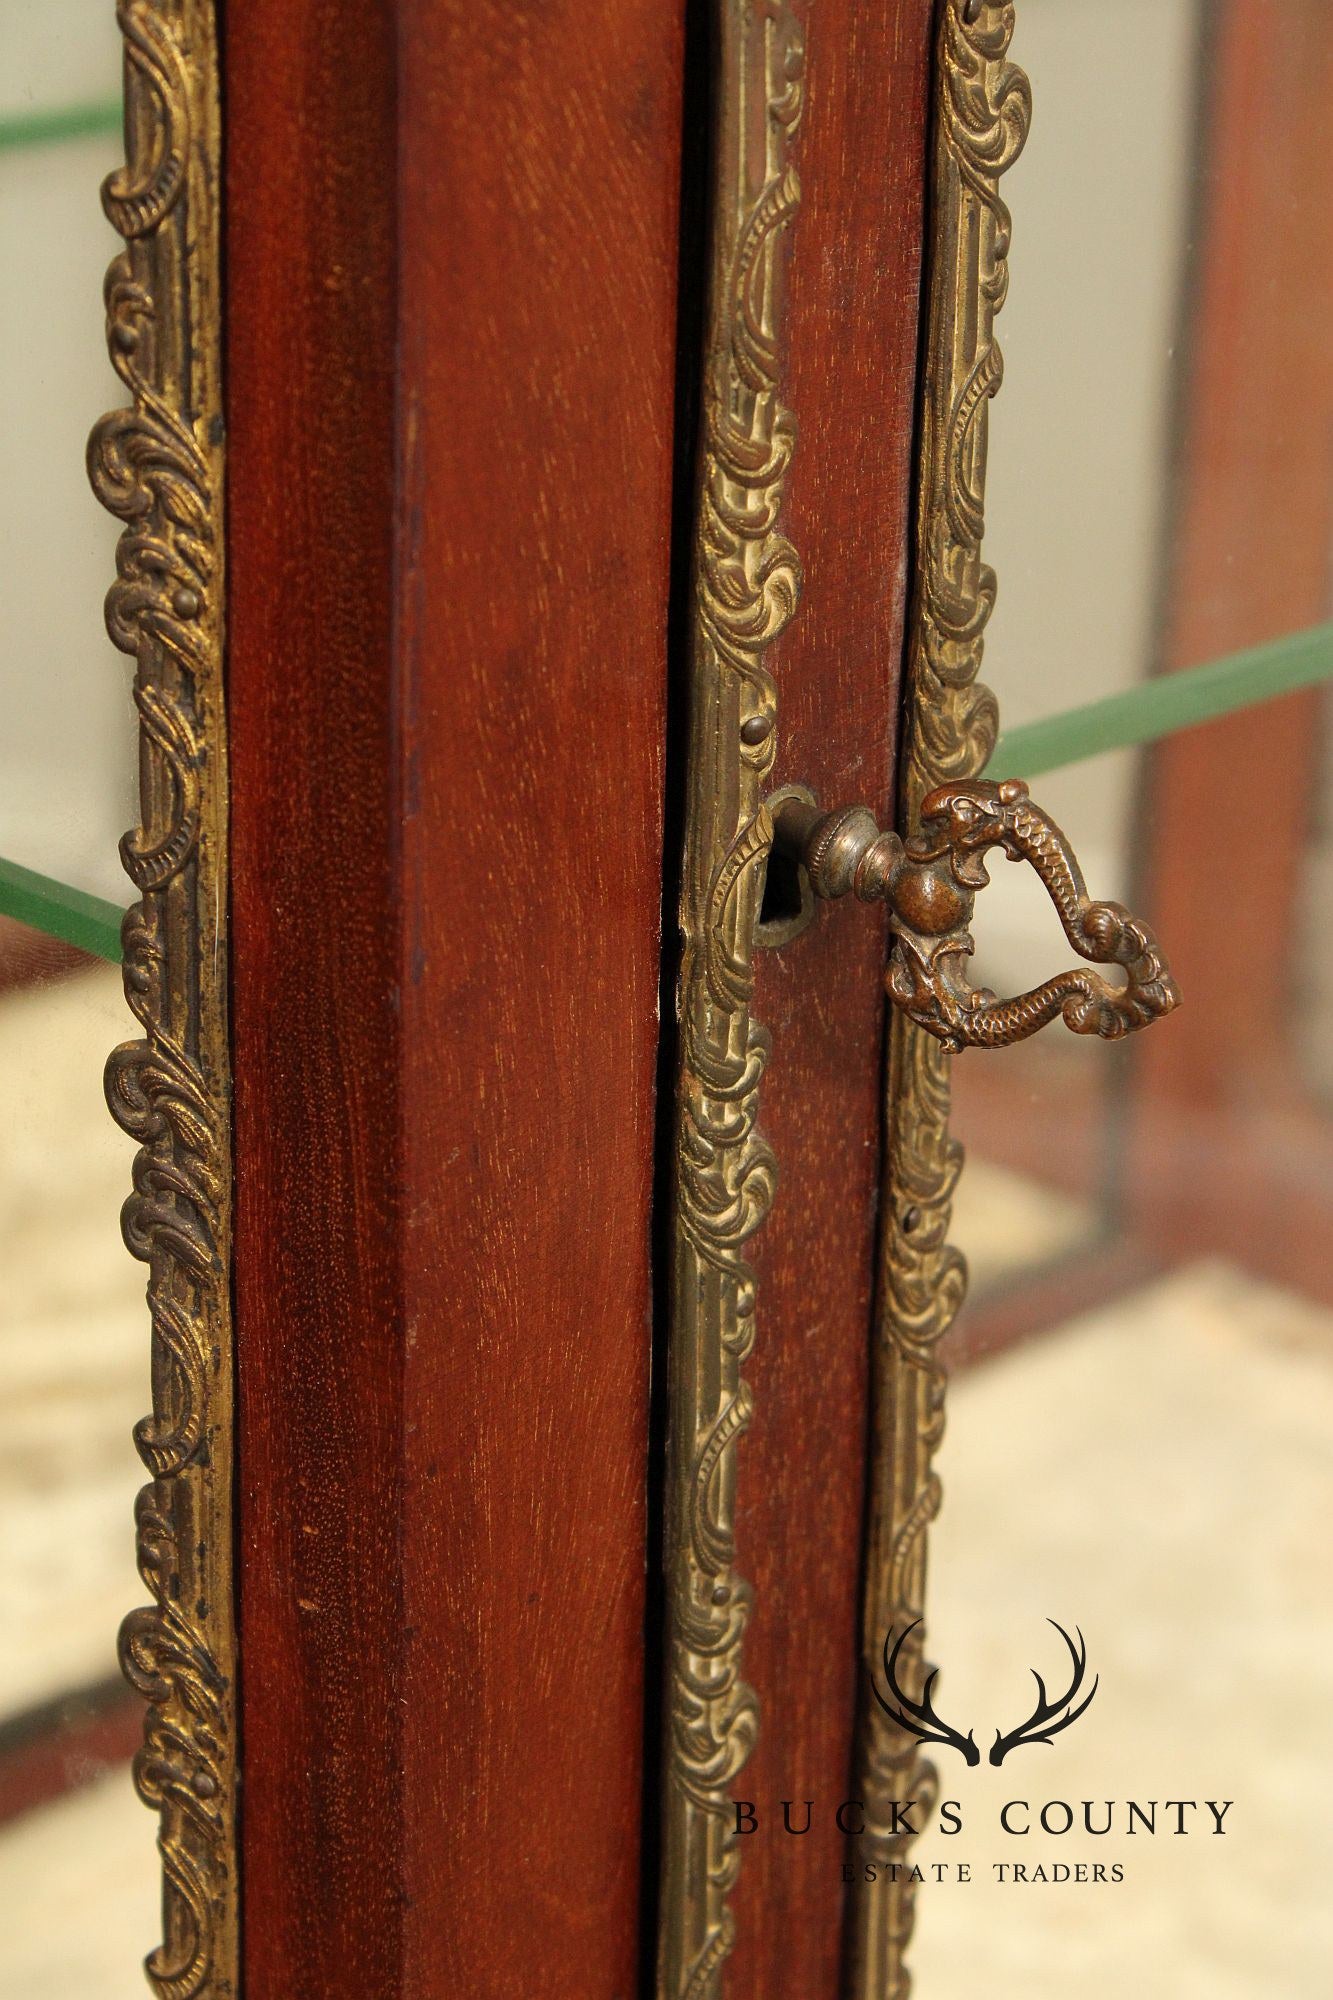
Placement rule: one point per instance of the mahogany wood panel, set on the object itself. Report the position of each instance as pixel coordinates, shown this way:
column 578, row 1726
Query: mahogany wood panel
column 541, row 167
column 311, row 289
column 853, row 320
column 451, row 347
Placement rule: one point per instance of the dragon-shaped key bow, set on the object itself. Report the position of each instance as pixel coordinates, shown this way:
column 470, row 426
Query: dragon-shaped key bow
column 930, row 883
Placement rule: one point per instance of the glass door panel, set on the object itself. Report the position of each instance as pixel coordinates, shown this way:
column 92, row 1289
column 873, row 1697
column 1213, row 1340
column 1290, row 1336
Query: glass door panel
column 1143, row 1376
column 67, row 744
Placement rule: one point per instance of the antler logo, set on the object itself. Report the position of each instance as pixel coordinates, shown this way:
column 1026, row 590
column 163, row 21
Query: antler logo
column 918, row 1718
column 1048, row 1718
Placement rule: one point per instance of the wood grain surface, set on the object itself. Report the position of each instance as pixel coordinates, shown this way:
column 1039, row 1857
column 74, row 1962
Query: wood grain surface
column 451, row 266
column 852, row 317
column 311, row 290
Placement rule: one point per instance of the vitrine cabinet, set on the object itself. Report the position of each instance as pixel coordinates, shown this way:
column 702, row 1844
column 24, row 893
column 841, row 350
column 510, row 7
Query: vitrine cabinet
column 553, row 488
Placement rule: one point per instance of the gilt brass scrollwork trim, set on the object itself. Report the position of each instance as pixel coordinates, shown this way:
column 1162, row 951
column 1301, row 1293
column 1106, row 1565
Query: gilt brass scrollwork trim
column 746, row 580
column 158, row 465
column 982, row 110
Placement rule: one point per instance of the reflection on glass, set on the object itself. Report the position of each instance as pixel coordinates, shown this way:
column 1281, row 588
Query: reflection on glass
column 73, row 1363
column 67, row 741
column 78, row 1874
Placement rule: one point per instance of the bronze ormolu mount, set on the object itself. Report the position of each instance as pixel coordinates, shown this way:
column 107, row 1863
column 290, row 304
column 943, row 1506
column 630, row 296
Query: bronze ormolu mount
column 930, row 883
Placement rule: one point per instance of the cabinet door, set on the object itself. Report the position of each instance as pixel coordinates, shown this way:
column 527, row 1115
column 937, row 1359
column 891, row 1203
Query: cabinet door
column 767, row 1359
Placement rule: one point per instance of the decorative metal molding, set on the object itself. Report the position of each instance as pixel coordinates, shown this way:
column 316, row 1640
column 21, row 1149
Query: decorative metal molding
column 158, row 465
column 746, row 584
column 982, row 112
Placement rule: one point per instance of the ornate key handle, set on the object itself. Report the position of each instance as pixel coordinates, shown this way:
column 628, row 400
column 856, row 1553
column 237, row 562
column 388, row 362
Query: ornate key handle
column 930, row 883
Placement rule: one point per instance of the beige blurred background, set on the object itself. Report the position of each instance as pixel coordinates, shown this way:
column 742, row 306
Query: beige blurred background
column 67, row 762
column 78, row 1870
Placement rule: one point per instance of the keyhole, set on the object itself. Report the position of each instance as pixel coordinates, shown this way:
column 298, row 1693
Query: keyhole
column 788, row 902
